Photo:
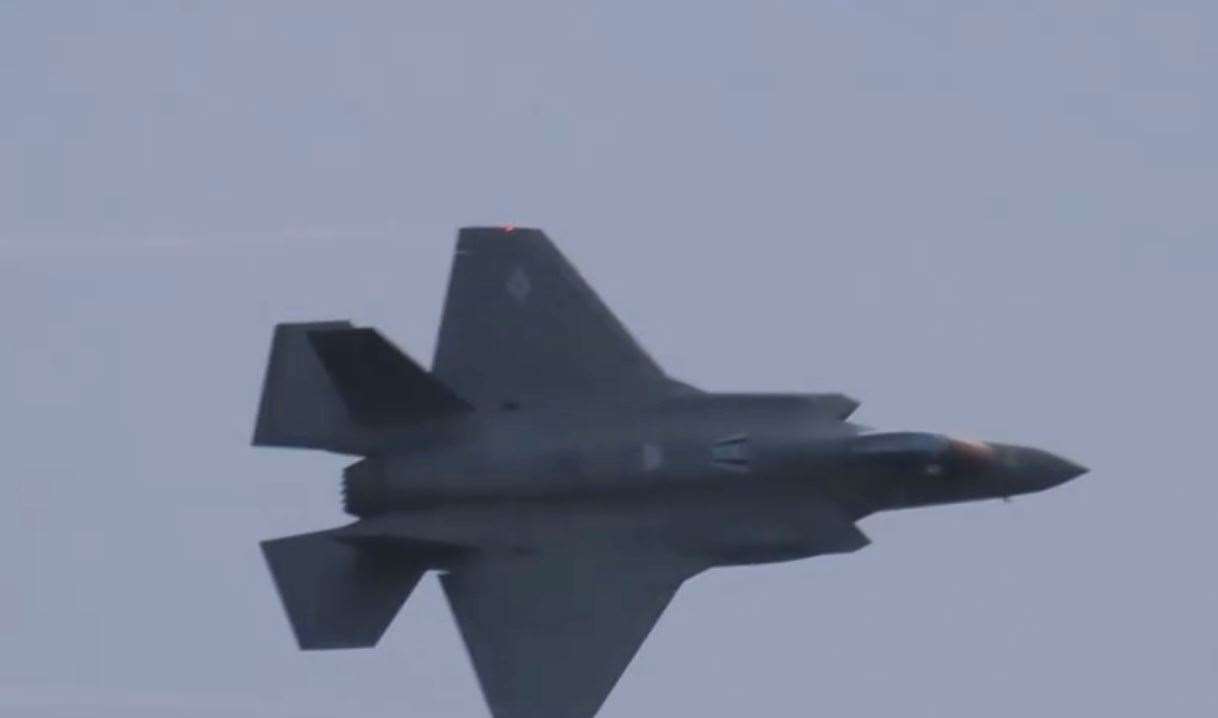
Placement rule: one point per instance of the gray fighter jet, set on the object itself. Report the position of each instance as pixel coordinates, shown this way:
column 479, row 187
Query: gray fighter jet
column 562, row 484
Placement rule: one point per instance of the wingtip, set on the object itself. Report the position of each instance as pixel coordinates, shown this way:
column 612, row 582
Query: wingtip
column 499, row 231
column 840, row 406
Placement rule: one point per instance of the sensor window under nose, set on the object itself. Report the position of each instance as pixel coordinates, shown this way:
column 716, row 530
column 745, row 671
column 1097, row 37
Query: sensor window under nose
column 732, row 453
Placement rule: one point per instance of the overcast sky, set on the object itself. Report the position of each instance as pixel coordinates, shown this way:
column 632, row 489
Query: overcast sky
column 997, row 219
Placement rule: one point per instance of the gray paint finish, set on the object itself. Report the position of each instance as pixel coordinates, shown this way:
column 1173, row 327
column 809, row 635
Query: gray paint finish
column 557, row 551
column 1007, row 206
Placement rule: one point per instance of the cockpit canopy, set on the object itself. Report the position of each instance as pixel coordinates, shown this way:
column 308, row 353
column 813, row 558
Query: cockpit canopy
column 928, row 454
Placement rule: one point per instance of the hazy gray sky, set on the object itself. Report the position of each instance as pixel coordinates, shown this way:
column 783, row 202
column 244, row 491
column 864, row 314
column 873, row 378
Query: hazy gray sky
column 991, row 218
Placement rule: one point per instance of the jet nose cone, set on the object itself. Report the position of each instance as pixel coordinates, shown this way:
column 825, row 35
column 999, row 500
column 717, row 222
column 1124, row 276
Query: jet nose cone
column 1039, row 469
column 1023, row 469
column 1055, row 470
column 1071, row 469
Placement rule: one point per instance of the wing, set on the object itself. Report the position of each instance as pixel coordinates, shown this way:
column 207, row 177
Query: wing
column 551, row 637
column 522, row 327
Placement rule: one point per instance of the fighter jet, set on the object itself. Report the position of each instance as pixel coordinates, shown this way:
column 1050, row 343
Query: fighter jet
column 561, row 484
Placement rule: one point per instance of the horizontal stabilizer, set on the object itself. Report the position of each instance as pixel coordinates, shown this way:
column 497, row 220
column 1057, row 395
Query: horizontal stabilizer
column 338, row 595
column 332, row 386
column 377, row 382
column 300, row 407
